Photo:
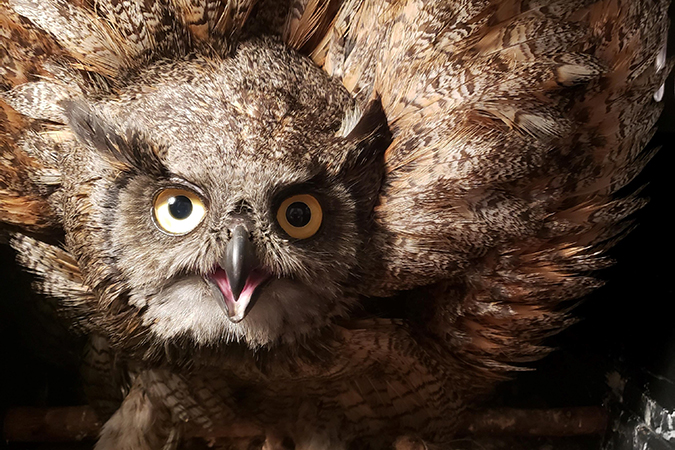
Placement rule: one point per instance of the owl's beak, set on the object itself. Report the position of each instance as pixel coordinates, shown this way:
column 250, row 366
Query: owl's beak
column 240, row 260
column 238, row 275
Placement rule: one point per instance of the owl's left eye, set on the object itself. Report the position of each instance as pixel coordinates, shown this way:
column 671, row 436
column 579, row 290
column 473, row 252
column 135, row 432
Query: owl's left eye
column 178, row 211
column 300, row 216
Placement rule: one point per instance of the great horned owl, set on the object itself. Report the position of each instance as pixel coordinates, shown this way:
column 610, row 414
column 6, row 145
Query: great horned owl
column 336, row 222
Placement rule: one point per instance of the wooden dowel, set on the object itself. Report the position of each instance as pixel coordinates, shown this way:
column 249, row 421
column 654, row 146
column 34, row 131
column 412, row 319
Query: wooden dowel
column 74, row 423
column 578, row 421
column 79, row 423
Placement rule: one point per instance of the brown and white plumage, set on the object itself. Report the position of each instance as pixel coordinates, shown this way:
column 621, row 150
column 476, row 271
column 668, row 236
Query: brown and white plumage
column 512, row 125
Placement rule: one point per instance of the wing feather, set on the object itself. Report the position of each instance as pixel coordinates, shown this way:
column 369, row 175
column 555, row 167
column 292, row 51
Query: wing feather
column 514, row 124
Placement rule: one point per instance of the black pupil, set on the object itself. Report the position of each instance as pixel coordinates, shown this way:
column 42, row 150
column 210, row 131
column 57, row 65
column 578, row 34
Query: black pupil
column 180, row 207
column 298, row 214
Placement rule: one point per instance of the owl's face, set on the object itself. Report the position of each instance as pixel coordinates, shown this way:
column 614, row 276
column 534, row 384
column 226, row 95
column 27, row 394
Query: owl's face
column 227, row 200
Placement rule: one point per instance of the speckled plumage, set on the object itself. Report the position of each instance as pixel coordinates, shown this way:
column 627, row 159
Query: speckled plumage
column 467, row 155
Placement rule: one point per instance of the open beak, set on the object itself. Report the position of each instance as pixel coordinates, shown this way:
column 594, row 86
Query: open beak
column 237, row 276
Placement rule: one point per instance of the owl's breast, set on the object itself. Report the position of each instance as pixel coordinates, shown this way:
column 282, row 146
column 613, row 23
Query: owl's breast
column 372, row 382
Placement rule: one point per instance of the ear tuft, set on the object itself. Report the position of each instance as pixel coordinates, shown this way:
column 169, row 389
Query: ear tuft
column 362, row 166
column 370, row 135
column 373, row 121
column 129, row 151
column 91, row 130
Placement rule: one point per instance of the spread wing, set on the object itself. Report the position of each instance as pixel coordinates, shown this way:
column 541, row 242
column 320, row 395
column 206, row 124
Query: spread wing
column 515, row 123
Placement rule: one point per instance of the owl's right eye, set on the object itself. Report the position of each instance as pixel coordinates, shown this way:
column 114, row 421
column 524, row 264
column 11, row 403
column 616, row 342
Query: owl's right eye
column 178, row 211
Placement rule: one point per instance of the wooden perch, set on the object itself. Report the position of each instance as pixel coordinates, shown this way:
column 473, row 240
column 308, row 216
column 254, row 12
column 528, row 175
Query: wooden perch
column 77, row 423
column 74, row 423
column 555, row 422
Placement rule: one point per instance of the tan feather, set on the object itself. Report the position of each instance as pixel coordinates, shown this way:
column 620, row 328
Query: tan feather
column 21, row 203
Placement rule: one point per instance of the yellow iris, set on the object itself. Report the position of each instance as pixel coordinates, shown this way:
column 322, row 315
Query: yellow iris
column 300, row 216
column 178, row 211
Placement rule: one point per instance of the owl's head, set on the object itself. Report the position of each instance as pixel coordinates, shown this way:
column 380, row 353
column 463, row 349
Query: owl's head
column 227, row 200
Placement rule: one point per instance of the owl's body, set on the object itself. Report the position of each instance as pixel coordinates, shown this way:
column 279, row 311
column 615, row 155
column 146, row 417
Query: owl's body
column 347, row 250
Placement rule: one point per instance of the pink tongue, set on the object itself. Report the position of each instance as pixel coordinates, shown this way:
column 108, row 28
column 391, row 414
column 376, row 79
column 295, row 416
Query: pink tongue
column 237, row 307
